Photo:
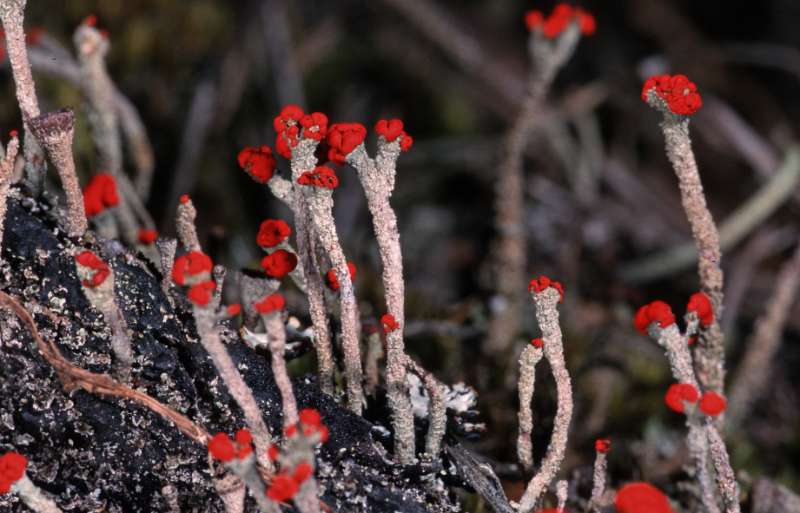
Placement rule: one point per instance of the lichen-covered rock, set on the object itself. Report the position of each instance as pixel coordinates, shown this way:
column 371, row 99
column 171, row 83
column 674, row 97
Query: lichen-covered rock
column 93, row 453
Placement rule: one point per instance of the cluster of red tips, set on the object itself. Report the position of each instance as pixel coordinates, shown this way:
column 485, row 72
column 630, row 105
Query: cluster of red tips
column 712, row 403
column 542, row 283
column 311, row 424
column 192, row 267
column 287, row 126
column 315, row 126
column 657, row 311
column 222, row 448
column 389, row 323
column 322, row 177
column 678, row 394
column 12, row 468
column 90, row 21
column 201, row 293
column 100, row 193
column 272, row 303
column 602, row 445
column 391, row 129
column 285, row 485
column 100, row 269
column 537, row 343
column 641, row 498
column 332, row 280
column 272, row 232
column 701, row 306
column 279, row 263
column 259, row 163
column 147, row 237
column 343, row 138
column 559, row 20
column 678, row 91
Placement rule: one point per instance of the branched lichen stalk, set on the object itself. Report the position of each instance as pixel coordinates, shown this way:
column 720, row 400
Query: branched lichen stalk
column 6, row 174
column 509, row 260
column 377, row 178
column 55, row 131
column 547, row 316
column 319, row 205
column 12, row 13
column 527, row 378
column 276, row 333
column 710, row 353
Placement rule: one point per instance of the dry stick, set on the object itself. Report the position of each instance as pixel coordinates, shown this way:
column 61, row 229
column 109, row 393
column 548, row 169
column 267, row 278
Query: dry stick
column 33, row 497
column 509, row 260
column 753, row 374
column 710, row 351
column 680, row 360
column 527, row 379
column 598, row 480
column 378, row 178
column 547, row 316
column 12, row 13
column 73, row 378
column 55, row 131
column 98, row 89
column 318, row 203
column 53, row 59
column 276, row 334
column 437, row 408
column 6, row 173
column 726, row 479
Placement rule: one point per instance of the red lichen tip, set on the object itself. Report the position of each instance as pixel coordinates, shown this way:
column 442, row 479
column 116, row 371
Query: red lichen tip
column 641, row 498
column 279, row 263
column 322, row 177
column 389, row 323
column 680, row 393
column 302, row 471
column 100, row 193
column 701, row 306
column 537, row 342
column 533, row 19
column 273, row 452
column 343, row 138
column 712, row 403
column 272, row 232
column 233, row 309
column 282, row 487
column 310, row 417
column 100, row 270
column 542, row 283
column 90, row 21
column 332, row 280
column 315, row 126
column 12, row 134
column 311, row 422
column 184, row 199
column 657, row 311
column 147, row 237
column 12, row 468
column 259, row 163
column 272, row 303
column 562, row 15
column 200, row 293
column 221, row 448
column 286, row 125
column 191, row 267
column 602, row 445
column 677, row 91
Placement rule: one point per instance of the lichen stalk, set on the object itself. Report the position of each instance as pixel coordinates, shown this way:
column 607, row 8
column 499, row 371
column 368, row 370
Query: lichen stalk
column 710, row 351
column 239, row 390
column 166, row 252
column 55, row 131
column 371, row 367
column 676, row 350
column 527, row 378
column 319, row 205
column 33, row 497
column 377, row 178
column 12, row 14
column 562, row 487
column 509, row 250
column 276, row 334
column 726, row 479
column 437, row 408
column 232, row 491
column 184, row 224
column 6, row 174
column 547, row 316
column 599, row 472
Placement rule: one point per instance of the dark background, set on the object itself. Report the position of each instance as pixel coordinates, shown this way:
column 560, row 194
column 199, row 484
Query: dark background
column 209, row 76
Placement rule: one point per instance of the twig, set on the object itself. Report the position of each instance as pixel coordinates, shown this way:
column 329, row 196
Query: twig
column 527, row 379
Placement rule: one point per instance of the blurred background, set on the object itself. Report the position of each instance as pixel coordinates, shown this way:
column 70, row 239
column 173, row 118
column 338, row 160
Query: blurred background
column 208, row 77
